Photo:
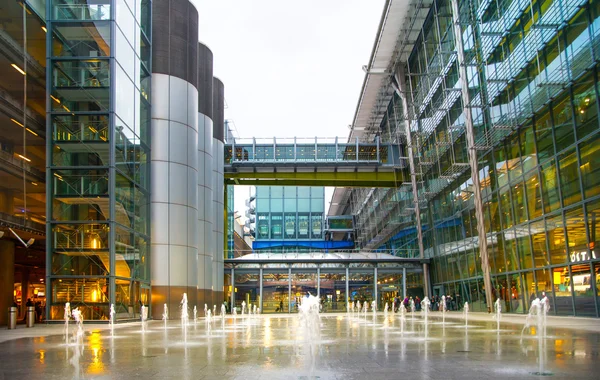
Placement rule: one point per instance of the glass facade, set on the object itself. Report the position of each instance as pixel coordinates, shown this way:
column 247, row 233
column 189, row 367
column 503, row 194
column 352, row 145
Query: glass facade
column 289, row 218
column 22, row 154
column 280, row 287
column 98, row 149
column 532, row 73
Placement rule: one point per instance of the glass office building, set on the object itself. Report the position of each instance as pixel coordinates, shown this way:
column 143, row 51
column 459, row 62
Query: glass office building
column 98, row 156
column 499, row 104
column 289, row 217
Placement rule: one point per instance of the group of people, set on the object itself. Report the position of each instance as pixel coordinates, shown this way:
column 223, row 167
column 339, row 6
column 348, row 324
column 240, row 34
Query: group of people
column 39, row 308
column 452, row 303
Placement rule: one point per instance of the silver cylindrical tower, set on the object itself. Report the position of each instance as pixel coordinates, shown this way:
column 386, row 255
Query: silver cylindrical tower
column 206, row 240
column 218, row 188
column 174, row 198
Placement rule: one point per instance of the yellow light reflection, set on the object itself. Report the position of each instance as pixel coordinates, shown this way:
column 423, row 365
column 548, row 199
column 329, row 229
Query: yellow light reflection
column 96, row 366
column 267, row 326
column 42, row 356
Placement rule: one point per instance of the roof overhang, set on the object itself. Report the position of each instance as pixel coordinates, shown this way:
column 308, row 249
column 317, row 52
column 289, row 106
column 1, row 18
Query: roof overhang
column 318, row 257
column 400, row 25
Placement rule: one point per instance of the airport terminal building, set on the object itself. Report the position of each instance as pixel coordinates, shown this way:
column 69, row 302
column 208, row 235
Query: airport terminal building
column 468, row 170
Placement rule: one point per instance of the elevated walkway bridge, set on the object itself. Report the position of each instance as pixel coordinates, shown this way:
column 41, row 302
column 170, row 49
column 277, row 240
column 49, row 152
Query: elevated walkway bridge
column 314, row 162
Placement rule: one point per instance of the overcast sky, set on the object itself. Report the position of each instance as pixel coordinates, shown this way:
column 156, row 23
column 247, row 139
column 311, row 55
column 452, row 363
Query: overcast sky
column 290, row 68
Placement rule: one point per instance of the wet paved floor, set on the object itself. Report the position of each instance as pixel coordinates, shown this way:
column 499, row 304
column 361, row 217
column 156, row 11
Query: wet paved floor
column 273, row 347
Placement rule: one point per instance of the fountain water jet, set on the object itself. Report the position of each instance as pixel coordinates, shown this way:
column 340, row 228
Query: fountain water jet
column 112, row 319
column 165, row 315
column 66, row 317
column 537, row 310
column 195, row 314
column 223, row 311
column 443, row 307
column 498, row 313
column 184, row 315
column 310, row 323
column 78, row 334
column 545, row 304
column 425, row 308
column 412, row 307
column 243, row 307
column 466, row 311
column 144, row 316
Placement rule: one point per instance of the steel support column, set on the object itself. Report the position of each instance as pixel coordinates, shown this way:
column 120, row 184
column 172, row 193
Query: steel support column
column 226, row 225
column 260, row 291
column 347, row 286
column 404, row 283
column 318, row 282
column 472, row 152
column 401, row 79
column 375, row 286
column 232, row 289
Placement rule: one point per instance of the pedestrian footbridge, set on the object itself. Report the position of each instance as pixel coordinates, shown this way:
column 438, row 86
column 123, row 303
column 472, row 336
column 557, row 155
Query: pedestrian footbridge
column 314, row 162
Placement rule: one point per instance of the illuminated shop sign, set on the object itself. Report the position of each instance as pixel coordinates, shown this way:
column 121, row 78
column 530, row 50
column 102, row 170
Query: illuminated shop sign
column 582, row 256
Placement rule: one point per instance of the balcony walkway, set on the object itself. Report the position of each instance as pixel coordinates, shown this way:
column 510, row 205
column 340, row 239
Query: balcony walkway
column 314, row 162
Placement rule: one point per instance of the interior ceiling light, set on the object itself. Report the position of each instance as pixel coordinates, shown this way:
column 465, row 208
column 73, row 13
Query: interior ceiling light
column 22, row 126
column 14, row 65
column 23, row 157
column 44, row 29
column 55, row 99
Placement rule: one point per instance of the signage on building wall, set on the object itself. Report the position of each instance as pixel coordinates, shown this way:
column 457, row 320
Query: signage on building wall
column 577, row 257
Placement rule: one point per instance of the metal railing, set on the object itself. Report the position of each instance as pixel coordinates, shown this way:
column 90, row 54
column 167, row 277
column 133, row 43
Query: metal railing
column 329, row 254
column 297, row 150
column 94, row 12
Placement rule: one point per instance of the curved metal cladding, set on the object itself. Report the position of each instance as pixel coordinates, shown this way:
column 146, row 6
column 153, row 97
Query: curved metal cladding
column 218, row 188
column 206, row 240
column 174, row 207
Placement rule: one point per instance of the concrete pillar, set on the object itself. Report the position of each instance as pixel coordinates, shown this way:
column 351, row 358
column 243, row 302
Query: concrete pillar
column 206, row 240
column 7, row 278
column 174, row 162
column 218, row 189
column 7, row 204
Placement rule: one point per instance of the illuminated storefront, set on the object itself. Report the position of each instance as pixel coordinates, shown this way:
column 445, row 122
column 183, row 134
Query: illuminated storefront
column 277, row 282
